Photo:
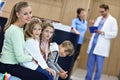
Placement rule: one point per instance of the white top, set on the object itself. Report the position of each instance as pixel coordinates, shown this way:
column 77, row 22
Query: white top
column 54, row 47
column 52, row 61
column 32, row 48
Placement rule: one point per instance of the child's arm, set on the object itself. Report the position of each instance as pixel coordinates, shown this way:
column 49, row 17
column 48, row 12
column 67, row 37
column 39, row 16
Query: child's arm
column 33, row 49
column 58, row 67
column 51, row 71
column 51, row 61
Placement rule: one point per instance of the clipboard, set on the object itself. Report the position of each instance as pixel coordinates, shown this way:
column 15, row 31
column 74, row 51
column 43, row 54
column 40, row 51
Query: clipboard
column 93, row 28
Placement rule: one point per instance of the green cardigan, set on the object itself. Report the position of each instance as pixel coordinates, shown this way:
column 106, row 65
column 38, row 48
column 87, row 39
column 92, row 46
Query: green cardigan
column 13, row 47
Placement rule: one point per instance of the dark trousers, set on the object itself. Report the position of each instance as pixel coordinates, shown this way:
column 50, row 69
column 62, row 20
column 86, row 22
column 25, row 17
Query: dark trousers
column 77, row 51
column 45, row 72
column 21, row 72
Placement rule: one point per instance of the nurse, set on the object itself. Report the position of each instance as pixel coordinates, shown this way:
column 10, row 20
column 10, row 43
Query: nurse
column 79, row 27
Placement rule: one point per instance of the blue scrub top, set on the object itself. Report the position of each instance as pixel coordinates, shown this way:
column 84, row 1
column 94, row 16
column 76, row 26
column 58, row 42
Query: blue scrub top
column 81, row 27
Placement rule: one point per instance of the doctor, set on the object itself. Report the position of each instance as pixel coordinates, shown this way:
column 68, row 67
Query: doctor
column 99, row 45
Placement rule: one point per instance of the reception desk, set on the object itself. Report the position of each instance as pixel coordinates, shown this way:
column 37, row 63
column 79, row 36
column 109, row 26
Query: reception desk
column 65, row 62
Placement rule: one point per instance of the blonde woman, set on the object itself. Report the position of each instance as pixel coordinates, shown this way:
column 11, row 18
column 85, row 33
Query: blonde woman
column 13, row 48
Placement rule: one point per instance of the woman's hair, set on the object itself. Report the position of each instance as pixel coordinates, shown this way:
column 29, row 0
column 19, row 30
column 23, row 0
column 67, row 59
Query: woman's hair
column 16, row 8
column 68, row 46
column 79, row 10
column 30, row 26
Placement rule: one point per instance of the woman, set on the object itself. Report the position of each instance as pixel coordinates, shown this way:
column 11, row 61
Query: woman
column 79, row 27
column 13, row 48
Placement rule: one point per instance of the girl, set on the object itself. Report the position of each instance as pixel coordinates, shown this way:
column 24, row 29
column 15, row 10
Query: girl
column 12, row 51
column 46, row 37
column 32, row 36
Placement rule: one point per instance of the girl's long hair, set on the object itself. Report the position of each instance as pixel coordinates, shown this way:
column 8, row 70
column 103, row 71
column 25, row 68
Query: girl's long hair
column 44, row 26
column 29, row 27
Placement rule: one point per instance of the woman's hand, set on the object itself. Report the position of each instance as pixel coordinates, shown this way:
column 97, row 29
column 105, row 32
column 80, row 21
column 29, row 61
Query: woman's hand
column 34, row 60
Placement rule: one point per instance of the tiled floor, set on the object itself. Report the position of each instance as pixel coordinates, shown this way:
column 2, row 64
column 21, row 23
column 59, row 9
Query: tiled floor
column 79, row 74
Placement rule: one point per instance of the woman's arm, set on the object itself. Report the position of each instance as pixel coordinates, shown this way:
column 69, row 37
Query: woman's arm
column 17, row 39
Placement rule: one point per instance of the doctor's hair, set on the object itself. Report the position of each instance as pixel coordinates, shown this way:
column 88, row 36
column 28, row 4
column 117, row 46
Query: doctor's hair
column 104, row 6
column 29, row 27
column 16, row 8
column 79, row 10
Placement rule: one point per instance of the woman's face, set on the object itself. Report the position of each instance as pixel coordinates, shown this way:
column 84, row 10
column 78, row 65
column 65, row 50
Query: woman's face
column 36, row 31
column 24, row 16
column 82, row 15
column 47, row 33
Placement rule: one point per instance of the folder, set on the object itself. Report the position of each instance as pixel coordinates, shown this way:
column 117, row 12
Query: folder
column 93, row 28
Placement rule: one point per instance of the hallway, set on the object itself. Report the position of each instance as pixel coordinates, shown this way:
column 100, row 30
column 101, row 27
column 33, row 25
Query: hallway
column 79, row 74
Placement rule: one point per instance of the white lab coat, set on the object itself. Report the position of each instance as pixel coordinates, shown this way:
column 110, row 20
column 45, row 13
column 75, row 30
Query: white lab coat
column 110, row 29
column 32, row 48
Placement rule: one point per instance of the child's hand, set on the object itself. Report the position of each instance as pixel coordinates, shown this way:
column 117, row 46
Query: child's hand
column 63, row 75
column 51, row 71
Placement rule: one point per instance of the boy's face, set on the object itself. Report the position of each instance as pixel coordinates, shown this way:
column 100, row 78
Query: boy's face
column 63, row 51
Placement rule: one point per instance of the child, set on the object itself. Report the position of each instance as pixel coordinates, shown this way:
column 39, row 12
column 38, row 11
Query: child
column 64, row 49
column 46, row 37
column 32, row 36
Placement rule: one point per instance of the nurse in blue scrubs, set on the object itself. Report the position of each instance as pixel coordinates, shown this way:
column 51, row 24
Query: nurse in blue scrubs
column 79, row 26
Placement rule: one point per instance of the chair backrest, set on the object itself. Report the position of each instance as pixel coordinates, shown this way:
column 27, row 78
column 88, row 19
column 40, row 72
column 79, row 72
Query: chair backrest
column 3, row 21
column 66, row 62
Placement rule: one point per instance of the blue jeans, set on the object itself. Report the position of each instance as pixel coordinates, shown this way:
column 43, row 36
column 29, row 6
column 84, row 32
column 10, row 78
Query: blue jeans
column 45, row 72
column 92, row 61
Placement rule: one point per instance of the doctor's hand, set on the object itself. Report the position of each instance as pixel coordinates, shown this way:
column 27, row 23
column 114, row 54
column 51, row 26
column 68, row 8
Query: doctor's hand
column 91, row 22
column 99, row 32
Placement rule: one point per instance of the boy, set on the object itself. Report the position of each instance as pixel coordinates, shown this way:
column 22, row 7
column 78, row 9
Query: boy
column 64, row 49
